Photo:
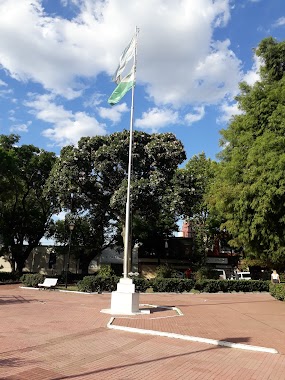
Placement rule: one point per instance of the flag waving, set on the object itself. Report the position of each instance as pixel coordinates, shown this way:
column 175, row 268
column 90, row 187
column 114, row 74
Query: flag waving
column 127, row 82
column 127, row 55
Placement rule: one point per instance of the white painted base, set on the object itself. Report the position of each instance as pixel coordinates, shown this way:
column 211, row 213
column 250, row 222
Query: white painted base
column 124, row 300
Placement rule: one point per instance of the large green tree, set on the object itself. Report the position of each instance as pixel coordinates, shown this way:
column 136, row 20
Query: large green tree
column 95, row 173
column 249, row 191
column 25, row 211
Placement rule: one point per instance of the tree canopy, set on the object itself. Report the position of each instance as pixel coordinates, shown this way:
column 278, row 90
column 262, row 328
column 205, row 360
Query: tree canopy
column 249, row 189
column 95, row 173
column 25, row 210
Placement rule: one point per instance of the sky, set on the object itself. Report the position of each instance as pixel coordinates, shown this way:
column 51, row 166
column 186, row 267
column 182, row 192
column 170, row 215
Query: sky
column 57, row 58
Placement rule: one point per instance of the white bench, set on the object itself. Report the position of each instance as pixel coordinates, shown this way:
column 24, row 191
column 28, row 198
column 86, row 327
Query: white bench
column 48, row 283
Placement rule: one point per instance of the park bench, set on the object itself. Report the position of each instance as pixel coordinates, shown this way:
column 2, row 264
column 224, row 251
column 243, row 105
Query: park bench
column 48, row 283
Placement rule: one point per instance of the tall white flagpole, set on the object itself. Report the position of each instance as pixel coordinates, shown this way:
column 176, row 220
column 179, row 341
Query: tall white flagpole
column 127, row 242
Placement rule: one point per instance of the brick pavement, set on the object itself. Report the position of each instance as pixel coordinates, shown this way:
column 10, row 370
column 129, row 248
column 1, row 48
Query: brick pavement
column 49, row 335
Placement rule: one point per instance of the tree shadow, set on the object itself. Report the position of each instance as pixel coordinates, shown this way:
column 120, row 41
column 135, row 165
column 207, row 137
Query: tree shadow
column 12, row 362
column 12, row 300
column 144, row 362
column 130, row 365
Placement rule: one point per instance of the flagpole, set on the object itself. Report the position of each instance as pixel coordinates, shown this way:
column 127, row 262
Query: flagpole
column 128, row 238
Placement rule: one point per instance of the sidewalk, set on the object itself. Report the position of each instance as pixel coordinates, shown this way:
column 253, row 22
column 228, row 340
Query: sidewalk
column 49, row 335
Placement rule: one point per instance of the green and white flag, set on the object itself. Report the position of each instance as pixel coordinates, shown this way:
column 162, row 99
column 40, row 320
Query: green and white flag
column 123, row 87
column 127, row 54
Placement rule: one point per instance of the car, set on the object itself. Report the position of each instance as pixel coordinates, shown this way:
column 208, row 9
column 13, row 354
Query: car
column 244, row 275
column 221, row 273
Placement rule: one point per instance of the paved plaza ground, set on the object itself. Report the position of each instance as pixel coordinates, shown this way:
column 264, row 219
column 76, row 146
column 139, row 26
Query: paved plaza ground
column 51, row 335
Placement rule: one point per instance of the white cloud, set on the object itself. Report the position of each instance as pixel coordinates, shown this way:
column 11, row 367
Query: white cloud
column 178, row 60
column 279, row 22
column 2, row 83
column 19, row 128
column 68, row 127
column 227, row 111
column 199, row 113
column 253, row 75
column 94, row 100
column 155, row 119
column 113, row 113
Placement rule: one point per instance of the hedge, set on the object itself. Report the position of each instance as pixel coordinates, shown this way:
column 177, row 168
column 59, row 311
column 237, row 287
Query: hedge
column 277, row 291
column 7, row 277
column 214, row 286
column 98, row 283
column 169, row 285
column 32, row 280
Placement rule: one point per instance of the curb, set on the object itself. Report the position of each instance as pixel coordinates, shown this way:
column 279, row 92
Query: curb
column 214, row 342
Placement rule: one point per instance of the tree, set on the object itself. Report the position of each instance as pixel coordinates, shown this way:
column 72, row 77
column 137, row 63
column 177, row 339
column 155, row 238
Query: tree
column 195, row 180
column 96, row 174
column 87, row 238
column 25, row 210
column 249, row 189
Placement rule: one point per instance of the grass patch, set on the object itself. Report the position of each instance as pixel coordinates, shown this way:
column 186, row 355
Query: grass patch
column 71, row 288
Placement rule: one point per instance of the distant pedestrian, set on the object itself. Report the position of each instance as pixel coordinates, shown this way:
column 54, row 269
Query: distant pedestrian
column 188, row 273
column 275, row 279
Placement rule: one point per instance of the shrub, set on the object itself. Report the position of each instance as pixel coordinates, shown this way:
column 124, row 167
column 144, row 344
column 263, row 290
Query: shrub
column 105, row 270
column 205, row 273
column 165, row 271
column 32, row 280
column 282, row 277
column 141, row 284
column 98, row 284
column 72, row 278
column 277, row 291
column 213, row 286
column 171, row 285
column 7, row 277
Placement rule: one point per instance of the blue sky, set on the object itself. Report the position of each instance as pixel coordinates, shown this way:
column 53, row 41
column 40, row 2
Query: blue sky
column 57, row 58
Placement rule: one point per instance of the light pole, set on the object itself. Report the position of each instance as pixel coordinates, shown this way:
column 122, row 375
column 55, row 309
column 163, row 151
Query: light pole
column 166, row 246
column 71, row 228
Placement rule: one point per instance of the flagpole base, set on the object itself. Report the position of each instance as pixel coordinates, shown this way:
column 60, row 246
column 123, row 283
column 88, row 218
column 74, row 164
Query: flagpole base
column 124, row 301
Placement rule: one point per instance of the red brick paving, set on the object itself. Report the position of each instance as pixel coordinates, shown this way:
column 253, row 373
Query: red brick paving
column 49, row 335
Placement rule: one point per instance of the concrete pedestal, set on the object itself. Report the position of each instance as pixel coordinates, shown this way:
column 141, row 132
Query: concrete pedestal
column 125, row 300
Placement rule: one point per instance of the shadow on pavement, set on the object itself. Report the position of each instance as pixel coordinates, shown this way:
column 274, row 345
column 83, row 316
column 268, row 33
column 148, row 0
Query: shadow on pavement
column 13, row 299
column 133, row 364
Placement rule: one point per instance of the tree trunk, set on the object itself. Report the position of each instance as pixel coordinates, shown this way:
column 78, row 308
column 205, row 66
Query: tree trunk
column 84, row 267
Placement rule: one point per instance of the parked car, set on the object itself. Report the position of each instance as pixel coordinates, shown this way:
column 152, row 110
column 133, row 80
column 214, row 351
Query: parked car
column 244, row 275
column 221, row 273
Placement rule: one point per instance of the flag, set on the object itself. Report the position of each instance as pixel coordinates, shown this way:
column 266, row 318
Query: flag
column 123, row 87
column 127, row 54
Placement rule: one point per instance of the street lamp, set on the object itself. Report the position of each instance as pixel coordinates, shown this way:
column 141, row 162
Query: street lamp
column 166, row 246
column 71, row 228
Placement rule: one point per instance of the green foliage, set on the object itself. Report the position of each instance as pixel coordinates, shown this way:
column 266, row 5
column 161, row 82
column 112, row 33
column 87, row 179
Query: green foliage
column 165, row 271
column 277, row 291
column 105, row 271
column 141, row 284
column 174, row 285
column 95, row 173
column 204, row 273
column 108, row 283
column 32, row 280
column 7, row 277
column 25, row 208
column 214, row 286
column 98, row 284
column 249, row 187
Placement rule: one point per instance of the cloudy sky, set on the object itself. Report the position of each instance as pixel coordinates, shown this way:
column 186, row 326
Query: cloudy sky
column 57, row 58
